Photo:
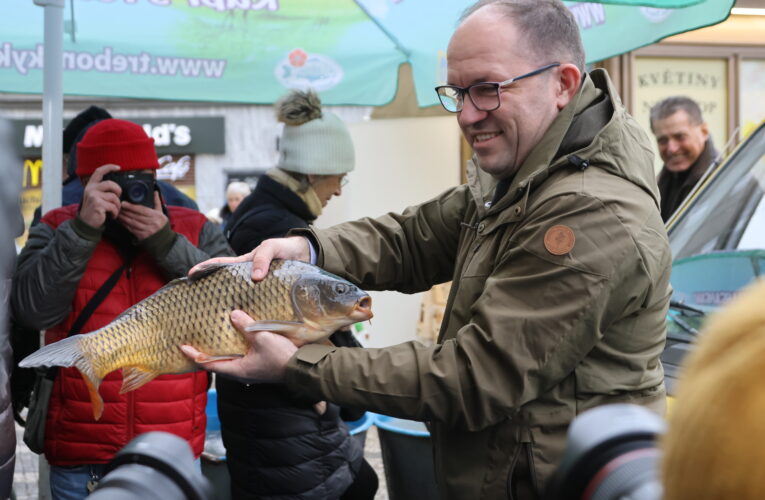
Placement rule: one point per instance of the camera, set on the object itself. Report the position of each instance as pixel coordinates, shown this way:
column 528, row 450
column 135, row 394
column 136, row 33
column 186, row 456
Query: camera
column 611, row 453
column 153, row 466
column 137, row 187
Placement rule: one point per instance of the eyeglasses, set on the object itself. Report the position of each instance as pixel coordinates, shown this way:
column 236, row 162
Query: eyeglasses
column 483, row 95
column 344, row 181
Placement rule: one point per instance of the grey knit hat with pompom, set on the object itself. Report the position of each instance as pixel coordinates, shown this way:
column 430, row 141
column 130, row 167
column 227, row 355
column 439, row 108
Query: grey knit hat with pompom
column 314, row 141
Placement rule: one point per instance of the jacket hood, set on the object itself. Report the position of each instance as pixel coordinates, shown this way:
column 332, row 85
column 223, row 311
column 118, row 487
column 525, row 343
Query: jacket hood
column 593, row 130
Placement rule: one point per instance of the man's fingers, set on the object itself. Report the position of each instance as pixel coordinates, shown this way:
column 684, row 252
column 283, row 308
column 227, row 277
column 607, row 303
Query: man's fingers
column 191, row 353
column 226, row 367
column 98, row 174
column 240, row 319
column 260, row 265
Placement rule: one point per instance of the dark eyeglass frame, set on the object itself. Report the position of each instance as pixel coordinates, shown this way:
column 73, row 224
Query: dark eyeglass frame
column 461, row 91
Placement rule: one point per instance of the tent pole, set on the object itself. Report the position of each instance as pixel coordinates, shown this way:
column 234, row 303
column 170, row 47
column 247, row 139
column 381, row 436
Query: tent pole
column 53, row 102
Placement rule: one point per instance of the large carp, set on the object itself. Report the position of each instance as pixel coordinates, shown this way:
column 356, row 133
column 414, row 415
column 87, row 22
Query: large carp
column 296, row 299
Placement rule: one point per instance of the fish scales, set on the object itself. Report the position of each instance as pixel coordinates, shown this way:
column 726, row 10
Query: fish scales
column 296, row 299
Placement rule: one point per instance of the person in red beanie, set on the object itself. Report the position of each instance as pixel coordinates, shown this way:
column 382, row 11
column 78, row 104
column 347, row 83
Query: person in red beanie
column 118, row 252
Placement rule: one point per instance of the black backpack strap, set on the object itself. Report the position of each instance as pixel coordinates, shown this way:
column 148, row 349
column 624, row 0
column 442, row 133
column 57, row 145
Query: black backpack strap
column 96, row 300
column 249, row 213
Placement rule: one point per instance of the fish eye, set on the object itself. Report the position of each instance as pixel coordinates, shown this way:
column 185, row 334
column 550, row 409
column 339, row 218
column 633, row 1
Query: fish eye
column 341, row 288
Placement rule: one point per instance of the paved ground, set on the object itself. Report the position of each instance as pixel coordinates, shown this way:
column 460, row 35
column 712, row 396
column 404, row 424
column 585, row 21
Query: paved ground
column 25, row 480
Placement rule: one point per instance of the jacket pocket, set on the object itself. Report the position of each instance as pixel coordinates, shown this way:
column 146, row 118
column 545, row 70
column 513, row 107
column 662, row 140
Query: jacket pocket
column 522, row 480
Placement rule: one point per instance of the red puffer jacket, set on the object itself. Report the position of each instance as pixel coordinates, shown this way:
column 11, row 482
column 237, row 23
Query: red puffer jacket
column 171, row 403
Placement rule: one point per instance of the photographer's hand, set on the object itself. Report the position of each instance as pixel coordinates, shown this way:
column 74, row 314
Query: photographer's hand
column 143, row 221
column 100, row 197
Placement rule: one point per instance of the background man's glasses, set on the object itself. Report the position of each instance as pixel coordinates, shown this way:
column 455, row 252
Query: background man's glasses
column 483, row 95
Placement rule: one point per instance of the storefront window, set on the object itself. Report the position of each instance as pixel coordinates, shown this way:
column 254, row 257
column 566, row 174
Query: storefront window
column 751, row 95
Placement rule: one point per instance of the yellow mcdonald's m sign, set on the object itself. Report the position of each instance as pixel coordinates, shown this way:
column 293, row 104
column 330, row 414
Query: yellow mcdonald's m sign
column 32, row 173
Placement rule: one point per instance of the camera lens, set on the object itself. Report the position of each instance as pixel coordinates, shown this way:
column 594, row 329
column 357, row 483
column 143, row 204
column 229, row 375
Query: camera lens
column 153, row 466
column 610, row 454
column 136, row 192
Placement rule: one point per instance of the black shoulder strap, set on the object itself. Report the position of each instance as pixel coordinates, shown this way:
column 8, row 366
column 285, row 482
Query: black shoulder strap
column 88, row 310
column 249, row 213
column 96, row 300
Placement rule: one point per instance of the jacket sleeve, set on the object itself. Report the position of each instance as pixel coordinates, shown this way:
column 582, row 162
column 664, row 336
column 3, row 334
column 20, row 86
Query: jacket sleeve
column 408, row 252
column 537, row 317
column 183, row 255
column 48, row 272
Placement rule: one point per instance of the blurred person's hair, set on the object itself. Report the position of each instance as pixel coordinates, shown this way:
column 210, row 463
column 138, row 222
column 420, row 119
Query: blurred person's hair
column 716, row 428
column 238, row 187
column 671, row 105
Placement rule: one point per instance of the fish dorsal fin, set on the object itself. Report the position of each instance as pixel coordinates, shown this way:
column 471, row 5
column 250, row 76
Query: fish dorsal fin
column 135, row 377
column 206, row 270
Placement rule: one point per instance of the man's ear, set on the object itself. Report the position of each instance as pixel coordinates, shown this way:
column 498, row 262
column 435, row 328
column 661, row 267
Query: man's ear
column 705, row 130
column 567, row 85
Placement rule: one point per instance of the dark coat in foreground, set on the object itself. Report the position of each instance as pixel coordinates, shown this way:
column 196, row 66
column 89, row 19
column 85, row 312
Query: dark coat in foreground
column 278, row 446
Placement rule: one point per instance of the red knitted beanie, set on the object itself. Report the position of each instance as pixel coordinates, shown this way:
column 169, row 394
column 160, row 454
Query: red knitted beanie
column 115, row 141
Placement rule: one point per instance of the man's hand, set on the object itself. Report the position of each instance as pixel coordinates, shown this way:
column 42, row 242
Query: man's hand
column 294, row 248
column 142, row 221
column 100, row 197
column 266, row 358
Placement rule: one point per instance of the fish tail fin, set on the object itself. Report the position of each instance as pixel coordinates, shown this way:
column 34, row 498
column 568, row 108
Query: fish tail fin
column 67, row 353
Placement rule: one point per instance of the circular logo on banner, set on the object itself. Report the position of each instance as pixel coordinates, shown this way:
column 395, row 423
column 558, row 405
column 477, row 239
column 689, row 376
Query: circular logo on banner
column 654, row 14
column 559, row 240
column 301, row 70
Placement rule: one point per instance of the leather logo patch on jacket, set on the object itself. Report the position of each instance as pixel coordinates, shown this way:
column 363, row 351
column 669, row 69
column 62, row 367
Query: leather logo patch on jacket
column 559, row 240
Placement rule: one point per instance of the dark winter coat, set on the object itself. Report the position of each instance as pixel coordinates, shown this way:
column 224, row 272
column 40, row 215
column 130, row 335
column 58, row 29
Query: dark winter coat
column 278, row 446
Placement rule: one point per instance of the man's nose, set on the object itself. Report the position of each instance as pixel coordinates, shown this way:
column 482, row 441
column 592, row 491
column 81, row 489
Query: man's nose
column 469, row 113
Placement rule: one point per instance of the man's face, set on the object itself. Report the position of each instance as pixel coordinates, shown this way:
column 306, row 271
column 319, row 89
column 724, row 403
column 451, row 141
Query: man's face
column 487, row 47
column 680, row 141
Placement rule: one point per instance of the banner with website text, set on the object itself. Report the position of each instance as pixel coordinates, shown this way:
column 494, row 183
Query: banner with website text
column 251, row 51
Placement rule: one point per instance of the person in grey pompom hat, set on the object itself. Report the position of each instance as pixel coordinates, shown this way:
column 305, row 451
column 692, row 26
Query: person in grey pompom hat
column 315, row 148
column 314, row 141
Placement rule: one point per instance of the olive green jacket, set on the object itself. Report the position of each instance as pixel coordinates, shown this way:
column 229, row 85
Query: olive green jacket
column 534, row 333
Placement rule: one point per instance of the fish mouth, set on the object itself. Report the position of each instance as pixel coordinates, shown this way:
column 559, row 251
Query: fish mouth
column 362, row 311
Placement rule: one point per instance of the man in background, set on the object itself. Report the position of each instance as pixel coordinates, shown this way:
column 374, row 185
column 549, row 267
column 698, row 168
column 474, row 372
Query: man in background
column 685, row 147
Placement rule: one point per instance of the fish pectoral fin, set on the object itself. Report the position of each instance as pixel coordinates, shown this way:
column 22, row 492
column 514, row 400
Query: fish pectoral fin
column 206, row 358
column 135, row 377
column 283, row 327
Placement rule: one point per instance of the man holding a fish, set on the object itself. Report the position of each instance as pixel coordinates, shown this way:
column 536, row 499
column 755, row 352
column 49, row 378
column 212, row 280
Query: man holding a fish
column 85, row 264
column 556, row 250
